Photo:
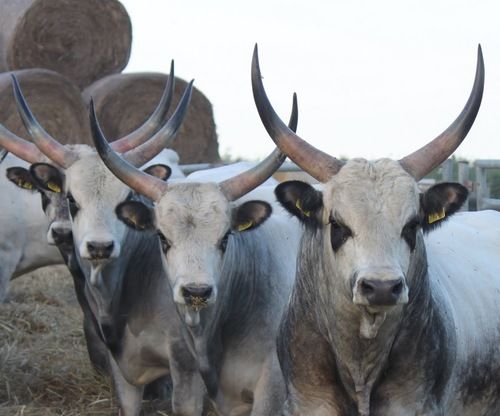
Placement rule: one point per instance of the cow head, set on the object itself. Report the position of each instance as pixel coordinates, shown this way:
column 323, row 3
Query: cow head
column 54, row 204
column 78, row 174
column 197, row 223
column 369, row 217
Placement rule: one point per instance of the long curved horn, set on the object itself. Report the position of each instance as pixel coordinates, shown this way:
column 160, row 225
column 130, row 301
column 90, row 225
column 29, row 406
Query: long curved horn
column 421, row 162
column 139, row 181
column 153, row 123
column 318, row 164
column 43, row 140
column 243, row 183
column 164, row 137
column 20, row 147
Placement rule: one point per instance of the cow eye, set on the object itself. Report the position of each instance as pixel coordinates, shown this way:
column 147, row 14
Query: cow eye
column 164, row 242
column 73, row 206
column 339, row 233
column 409, row 232
column 223, row 242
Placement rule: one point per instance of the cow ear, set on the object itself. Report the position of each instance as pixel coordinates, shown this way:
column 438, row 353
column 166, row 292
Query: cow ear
column 250, row 215
column 440, row 202
column 300, row 199
column 47, row 177
column 21, row 177
column 136, row 215
column 159, row 171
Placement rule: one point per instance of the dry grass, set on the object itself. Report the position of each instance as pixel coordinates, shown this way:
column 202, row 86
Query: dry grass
column 44, row 367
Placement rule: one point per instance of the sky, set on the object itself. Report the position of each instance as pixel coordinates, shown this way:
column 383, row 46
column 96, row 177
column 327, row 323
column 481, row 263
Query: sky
column 373, row 78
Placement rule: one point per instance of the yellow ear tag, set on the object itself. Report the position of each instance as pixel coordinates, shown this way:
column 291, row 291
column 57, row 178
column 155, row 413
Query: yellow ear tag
column 436, row 216
column 53, row 187
column 298, row 204
column 134, row 220
column 245, row 226
column 25, row 185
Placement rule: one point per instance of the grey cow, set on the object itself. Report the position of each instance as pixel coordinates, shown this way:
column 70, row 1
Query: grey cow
column 383, row 321
column 231, row 268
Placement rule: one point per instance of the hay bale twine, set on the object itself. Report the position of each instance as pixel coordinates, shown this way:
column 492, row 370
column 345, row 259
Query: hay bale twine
column 83, row 40
column 124, row 101
column 55, row 101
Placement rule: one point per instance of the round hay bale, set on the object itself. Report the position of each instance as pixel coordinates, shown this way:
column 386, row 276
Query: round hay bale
column 124, row 101
column 55, row 101
column 83, row 40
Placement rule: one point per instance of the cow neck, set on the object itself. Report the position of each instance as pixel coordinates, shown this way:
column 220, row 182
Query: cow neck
column 360, row 361
column 117, row 288
column 229, row 319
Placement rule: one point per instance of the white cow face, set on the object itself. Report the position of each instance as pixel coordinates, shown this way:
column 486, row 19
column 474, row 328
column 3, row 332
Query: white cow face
column 195, row 223
column 54, row 205
column 92, row 194
column 371, row 214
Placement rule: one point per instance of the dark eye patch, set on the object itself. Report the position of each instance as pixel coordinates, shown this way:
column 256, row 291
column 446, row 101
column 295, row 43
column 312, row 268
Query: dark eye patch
column 409, row 232
column 223, row 242
column 73, row 206
column 45, row 201
column 164, row 242
column 339, row 233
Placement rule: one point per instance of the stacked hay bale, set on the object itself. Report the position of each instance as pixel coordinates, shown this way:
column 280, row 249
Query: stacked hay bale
column 86, row 44
column 55, row 101
column 124, row 101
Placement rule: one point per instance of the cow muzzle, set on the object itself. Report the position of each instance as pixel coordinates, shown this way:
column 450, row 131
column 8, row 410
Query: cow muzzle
column 98, row 250
column 380, row 292
column 62, row 237
column 197, row 296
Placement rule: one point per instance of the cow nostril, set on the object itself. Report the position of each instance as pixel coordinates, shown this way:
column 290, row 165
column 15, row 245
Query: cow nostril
column 109, row 246
column 367, row 288
column 397, row 289
column 197, row 296
column 98, row 250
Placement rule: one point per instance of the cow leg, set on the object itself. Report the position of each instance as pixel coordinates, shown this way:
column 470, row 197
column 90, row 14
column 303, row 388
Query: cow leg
column 161, row 389
column 188, row 392
column 269, row 394
column 313, row 386
column 188, row 388
column 129, row 396
column 98, row 353
column 8, row 264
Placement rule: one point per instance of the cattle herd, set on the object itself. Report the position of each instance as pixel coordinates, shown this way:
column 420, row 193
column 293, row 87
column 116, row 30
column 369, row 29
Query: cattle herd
column 357, row 296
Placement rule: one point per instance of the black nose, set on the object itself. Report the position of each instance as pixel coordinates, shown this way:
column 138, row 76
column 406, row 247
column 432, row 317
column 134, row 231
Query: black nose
column 100, row 251
column 381, row 292
column 62, row 235
column 197, row 296
column 63, row 238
